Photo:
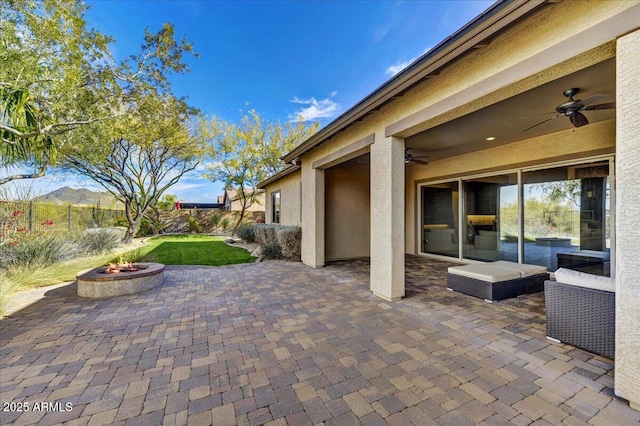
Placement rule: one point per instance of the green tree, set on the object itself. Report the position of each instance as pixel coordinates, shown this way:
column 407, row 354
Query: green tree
column 245, row 154
column 138, row 162
column 55, row 72
column 166, row 202
column 57, row 75
column 561, row 191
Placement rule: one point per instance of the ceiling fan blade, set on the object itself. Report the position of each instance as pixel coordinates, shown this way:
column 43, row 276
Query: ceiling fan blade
column 540, row 122
column 578, row 120
column 593, row 99
column 610, row 105
column 415, row 160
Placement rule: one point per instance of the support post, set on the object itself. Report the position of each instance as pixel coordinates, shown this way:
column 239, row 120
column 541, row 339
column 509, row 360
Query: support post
column 627, row 367
column 312, row 251
column 387, row 218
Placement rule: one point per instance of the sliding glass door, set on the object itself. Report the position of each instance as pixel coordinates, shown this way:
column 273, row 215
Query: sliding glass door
column 561, row 219
column 440, row 219
column 566, row 217
column 491, row 218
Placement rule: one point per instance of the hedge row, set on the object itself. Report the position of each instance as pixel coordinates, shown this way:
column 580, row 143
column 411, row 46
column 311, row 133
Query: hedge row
column 279, row 241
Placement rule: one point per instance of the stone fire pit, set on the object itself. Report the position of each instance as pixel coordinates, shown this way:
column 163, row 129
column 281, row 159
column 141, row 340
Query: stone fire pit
column 95, row 283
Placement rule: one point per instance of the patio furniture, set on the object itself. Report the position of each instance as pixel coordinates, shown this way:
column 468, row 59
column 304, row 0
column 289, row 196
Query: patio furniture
column 497, row 280
column 581, row 311
column 591, row 261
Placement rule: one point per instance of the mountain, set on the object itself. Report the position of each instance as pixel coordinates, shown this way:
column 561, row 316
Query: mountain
column 81, row 196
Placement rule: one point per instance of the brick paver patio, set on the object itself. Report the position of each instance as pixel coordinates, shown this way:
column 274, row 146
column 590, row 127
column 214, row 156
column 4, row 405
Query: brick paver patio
column 281, row 343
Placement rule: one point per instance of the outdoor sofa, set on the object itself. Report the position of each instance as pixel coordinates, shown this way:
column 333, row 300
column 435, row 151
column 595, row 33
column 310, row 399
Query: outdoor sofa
column 581, row 311
column 497, row 280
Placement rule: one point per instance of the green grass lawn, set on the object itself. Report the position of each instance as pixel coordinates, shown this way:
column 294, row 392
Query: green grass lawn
column 171, row 250
column 192, row 249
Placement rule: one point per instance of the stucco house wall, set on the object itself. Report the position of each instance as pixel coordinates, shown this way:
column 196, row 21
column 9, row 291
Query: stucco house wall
column 289, row 187
column 347, row 214
column 231, row 203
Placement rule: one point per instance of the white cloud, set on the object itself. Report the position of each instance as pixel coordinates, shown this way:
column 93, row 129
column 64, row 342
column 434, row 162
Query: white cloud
column 334, row 94
column 313, row 109
column 395, row 69
column 184, row 186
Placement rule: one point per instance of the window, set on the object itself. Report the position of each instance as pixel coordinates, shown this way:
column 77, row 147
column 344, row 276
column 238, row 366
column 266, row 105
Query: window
column 275, row 207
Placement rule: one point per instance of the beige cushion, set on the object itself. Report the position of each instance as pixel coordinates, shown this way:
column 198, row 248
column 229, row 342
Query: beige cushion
column 582, row 279
column 485, row 272
column 525, row 270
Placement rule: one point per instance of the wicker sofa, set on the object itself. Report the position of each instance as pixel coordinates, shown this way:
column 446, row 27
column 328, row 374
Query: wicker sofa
column 581, row 311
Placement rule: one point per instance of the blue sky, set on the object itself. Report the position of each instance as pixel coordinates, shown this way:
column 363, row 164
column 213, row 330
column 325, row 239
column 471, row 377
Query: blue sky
column 281, row 58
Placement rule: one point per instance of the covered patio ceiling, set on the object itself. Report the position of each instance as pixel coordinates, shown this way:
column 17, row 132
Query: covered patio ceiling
column 505, row 120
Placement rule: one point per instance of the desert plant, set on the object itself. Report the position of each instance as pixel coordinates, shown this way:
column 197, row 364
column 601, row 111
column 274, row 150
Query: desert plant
column 272, row 251
column 38, row 249
column 99, row 240
column 245, row 231
column 215, row 219
column 265, row 234
column 146, row 227
column 289, row 238
column 192, row 224
column 224, row 223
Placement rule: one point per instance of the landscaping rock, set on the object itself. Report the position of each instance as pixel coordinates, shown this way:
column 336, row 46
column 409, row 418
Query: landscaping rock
column 257, row 252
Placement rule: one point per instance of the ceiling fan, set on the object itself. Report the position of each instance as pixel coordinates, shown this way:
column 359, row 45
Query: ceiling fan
column 410, row 158
column 573, row 107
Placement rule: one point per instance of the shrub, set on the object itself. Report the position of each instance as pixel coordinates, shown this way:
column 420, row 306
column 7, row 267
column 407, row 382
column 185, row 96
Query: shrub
column 272, row 251
column 38, row 249
column 146, row 228
column 192, row 223
column 289, row 239
column 121, row 221
column 99, row 240
column 224, row 223
column 215, row 219
column 264, row 234
column 245, row 231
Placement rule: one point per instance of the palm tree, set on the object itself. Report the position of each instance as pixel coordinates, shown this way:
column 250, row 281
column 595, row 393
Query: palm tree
column 19, row 115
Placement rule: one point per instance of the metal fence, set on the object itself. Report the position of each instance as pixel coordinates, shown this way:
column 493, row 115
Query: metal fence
column 33, row 216
column 566, row 222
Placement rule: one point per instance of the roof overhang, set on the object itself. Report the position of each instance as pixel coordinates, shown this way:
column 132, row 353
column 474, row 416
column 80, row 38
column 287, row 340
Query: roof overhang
column 283, row 173
column 473, row 35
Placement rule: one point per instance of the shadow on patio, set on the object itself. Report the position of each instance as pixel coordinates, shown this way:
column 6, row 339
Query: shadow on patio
column 284, row 343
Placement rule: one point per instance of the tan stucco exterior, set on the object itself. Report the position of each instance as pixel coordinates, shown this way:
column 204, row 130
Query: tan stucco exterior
column 290, row 207
column 257, row 206
column 347, row 215
column 234, row 204
column 554, row 42
column 627, row 220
